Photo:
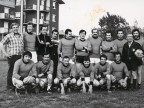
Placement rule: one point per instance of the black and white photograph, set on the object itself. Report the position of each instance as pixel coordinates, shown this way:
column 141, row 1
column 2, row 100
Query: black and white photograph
column 71, row 54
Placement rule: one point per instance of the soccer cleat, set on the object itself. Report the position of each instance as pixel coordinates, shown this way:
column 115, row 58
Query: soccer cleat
column 49, row 91
column 139, row 86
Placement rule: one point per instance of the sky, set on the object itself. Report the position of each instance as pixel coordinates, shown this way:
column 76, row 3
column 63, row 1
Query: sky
column 85, row 14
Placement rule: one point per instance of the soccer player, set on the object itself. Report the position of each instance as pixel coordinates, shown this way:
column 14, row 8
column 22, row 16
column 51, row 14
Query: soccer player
column 29, row 38
column 24, row 72
column 102, row 71
column 95, row 41
column 130, row 59
column 83, row 47
column 14, row 41
column 67, row 45
column 119, row 72
column 86, row 75
column 120, row 41
column 54, row 51
column 109, row 47
column 43, row 42
column 136, row 36
column 65, row 74
column 45, row 72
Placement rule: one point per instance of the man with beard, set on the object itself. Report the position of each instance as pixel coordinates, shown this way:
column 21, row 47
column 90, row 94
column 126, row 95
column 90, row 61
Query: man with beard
column 136, row 36
column 45, row 72
column 109, row 47
column 65, row 74
column 43, row 43
column 86, row 72
column 95, row 41
column 24, row 72
column 29, row 39
column 130, row 59
column 66, row 45
column 119, row 72
column 120, row 41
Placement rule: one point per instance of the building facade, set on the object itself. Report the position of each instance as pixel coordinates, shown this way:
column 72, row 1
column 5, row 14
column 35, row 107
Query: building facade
column 46, row 11
column 11, row 12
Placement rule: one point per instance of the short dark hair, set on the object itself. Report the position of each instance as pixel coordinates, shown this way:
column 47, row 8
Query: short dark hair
column 30, row 23
column 104, row 56
column 134, row 30
column 68, row 30
column 27, row 53
column 120, row 30
column 82, row 31
column 86, row 59
column 13, row 24
column 94, row 29
column 43, row 26
column 108, row 32
column 45, row 53
column 55, row 30
column 117, row 53
column 66, row 57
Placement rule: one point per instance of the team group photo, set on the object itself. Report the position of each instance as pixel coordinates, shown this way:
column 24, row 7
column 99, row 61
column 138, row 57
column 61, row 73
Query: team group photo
column 47, row 68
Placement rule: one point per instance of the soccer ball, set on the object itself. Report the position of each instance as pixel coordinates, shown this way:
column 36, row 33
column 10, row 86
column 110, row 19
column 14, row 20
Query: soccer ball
column 139, row 53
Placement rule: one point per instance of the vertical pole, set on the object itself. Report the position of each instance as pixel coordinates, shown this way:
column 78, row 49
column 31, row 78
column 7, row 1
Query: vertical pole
column 21, row 20
column 38, row 14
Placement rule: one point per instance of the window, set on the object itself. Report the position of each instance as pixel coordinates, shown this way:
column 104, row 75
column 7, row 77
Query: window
column 53, row 28
column 17, row 14
column 24, row 2
column 6, row 10
column 54, row 5
column 48, row 16
column 5, row 24
column 42, row 2
column 48, row 3
column 18, row 2
column 53, row 17
column 42, row 15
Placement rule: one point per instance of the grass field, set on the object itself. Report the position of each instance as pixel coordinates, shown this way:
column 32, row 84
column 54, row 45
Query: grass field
column 99, row 99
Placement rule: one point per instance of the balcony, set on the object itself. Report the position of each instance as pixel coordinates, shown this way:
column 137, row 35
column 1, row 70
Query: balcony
column 44, row 22
column 44, row 9
column 34, row 21
column 30, row 7
column 6, row 16
column 3, row 30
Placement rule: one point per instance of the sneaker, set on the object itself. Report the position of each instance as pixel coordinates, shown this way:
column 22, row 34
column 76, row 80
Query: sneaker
column 139, row 86
column 49, row 91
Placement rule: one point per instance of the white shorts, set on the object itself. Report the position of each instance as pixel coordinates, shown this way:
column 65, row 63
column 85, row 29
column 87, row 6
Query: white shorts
column 94, row 60
column 34, row 56
column 71, row 61
column 97, row 60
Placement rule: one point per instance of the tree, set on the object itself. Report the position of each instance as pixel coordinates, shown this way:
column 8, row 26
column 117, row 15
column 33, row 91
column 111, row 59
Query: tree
column 113, row 23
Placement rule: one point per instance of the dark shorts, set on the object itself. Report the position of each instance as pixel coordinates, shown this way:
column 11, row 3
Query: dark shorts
column 80, row 59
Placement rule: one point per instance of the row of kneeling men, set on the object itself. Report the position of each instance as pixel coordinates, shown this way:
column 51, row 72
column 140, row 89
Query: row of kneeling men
column 84, row 76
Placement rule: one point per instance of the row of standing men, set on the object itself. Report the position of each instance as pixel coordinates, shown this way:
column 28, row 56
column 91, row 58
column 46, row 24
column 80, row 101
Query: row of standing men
column 76, row 49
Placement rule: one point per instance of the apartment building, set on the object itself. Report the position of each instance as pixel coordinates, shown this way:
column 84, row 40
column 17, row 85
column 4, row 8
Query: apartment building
column 10, row 11
column 46, row 11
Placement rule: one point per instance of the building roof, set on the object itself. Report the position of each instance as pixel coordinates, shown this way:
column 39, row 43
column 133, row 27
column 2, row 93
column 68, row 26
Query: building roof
column 59, row 1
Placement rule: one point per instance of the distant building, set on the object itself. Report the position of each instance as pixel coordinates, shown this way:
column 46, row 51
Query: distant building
column 10, row 11
column 7, row 16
